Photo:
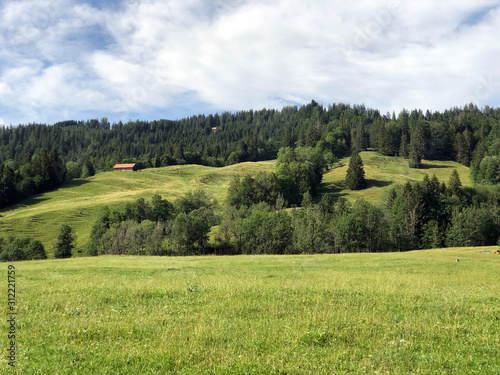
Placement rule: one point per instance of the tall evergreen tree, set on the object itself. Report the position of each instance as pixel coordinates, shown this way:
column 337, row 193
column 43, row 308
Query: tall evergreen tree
column 65, row 242
column 417, row 146
column 355, row 178
column 405, row 135
column 359, row 142
column 463, row 145
column 454, row 184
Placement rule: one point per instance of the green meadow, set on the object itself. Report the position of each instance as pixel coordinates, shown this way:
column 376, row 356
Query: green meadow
column 419, row 312
column 384, row 172
column 78, row 202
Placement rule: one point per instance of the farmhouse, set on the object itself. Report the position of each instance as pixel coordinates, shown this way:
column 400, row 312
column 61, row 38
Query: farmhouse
column 125, row 167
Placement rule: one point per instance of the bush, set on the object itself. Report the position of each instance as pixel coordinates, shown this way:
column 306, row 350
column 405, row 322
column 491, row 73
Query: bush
column 24, row 248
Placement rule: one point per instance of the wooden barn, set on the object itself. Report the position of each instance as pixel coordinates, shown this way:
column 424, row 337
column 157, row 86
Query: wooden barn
column 125, row 167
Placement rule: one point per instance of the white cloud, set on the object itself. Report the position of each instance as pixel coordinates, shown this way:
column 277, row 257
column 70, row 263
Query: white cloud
column 65, row 58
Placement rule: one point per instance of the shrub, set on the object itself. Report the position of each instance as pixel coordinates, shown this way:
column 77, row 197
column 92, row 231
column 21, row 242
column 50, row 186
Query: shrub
column 23, row 248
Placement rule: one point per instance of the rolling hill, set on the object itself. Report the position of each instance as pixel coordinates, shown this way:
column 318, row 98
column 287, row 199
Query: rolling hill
column 78, row 202
column 384, row 172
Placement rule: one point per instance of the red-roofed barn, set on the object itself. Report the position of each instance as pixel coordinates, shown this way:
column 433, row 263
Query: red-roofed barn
column 125, row 167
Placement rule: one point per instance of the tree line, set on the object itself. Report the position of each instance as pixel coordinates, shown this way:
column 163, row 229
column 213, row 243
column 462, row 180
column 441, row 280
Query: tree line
column 417, row 215
column 32, row 175
column 467, row 135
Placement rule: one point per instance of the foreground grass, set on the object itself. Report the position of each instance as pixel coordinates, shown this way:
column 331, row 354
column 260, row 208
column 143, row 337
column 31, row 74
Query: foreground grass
column 419, row 312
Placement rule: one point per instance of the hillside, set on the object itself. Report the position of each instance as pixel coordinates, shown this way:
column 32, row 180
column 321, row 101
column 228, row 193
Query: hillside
column 384, row 172
column 415, row 312
column 78, row 202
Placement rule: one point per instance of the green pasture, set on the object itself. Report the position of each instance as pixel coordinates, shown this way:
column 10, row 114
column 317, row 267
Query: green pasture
column 384, row 172
column 420, row 312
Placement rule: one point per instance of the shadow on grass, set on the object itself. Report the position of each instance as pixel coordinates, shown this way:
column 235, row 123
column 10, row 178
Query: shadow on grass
column 434, row 166
column 336, row 165
column 334, row 189
column 377, row 183
column 39, row 198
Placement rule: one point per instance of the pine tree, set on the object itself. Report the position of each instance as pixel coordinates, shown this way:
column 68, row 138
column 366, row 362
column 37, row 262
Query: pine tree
column 463, row 146
column 313, row 135
column 417, row 146
column 355, row 178
column 405, row 135
column 287, row 138
column 454, row 184
column 359, row 139
column 65, row 242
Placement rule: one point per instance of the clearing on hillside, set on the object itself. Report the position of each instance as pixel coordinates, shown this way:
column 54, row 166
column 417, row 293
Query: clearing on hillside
column 384, row 172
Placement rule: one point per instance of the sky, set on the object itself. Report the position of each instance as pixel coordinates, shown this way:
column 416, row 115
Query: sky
column 146, row 59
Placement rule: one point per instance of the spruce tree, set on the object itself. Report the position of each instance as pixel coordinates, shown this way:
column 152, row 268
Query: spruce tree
column 359, row 139
column 454, row 184
column 417, row 146
column 355, row 178
column 405, row 135
column 65, row 242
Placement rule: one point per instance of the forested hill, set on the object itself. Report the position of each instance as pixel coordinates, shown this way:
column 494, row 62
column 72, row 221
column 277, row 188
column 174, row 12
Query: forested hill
column 257, row 135
column 38, row 157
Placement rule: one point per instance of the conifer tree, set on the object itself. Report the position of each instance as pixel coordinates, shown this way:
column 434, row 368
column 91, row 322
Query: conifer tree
column 359, row 139
column 454, row 184
column 417, row 146
column 355, row 178
column 405, row 135
column 65, row 242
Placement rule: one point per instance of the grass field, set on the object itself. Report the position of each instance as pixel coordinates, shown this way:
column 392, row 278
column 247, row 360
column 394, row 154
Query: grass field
column 384, row 172
column 78, row 203
column 419, row 312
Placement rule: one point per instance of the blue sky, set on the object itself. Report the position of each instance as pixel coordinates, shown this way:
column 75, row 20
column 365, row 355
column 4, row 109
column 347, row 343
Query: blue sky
column 147, row 59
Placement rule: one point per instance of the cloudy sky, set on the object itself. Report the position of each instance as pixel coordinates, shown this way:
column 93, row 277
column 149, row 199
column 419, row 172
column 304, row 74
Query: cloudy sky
column 147, row 59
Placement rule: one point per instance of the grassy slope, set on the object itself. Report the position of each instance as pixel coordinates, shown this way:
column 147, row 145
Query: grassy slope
column 384, row 172
column 418, row 312
column 78, row 203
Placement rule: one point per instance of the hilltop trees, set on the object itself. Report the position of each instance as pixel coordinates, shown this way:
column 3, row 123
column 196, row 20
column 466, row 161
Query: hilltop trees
column 32, row 175
column 355, row 178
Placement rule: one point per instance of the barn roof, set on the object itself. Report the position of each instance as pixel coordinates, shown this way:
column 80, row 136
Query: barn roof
column 124, row 165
